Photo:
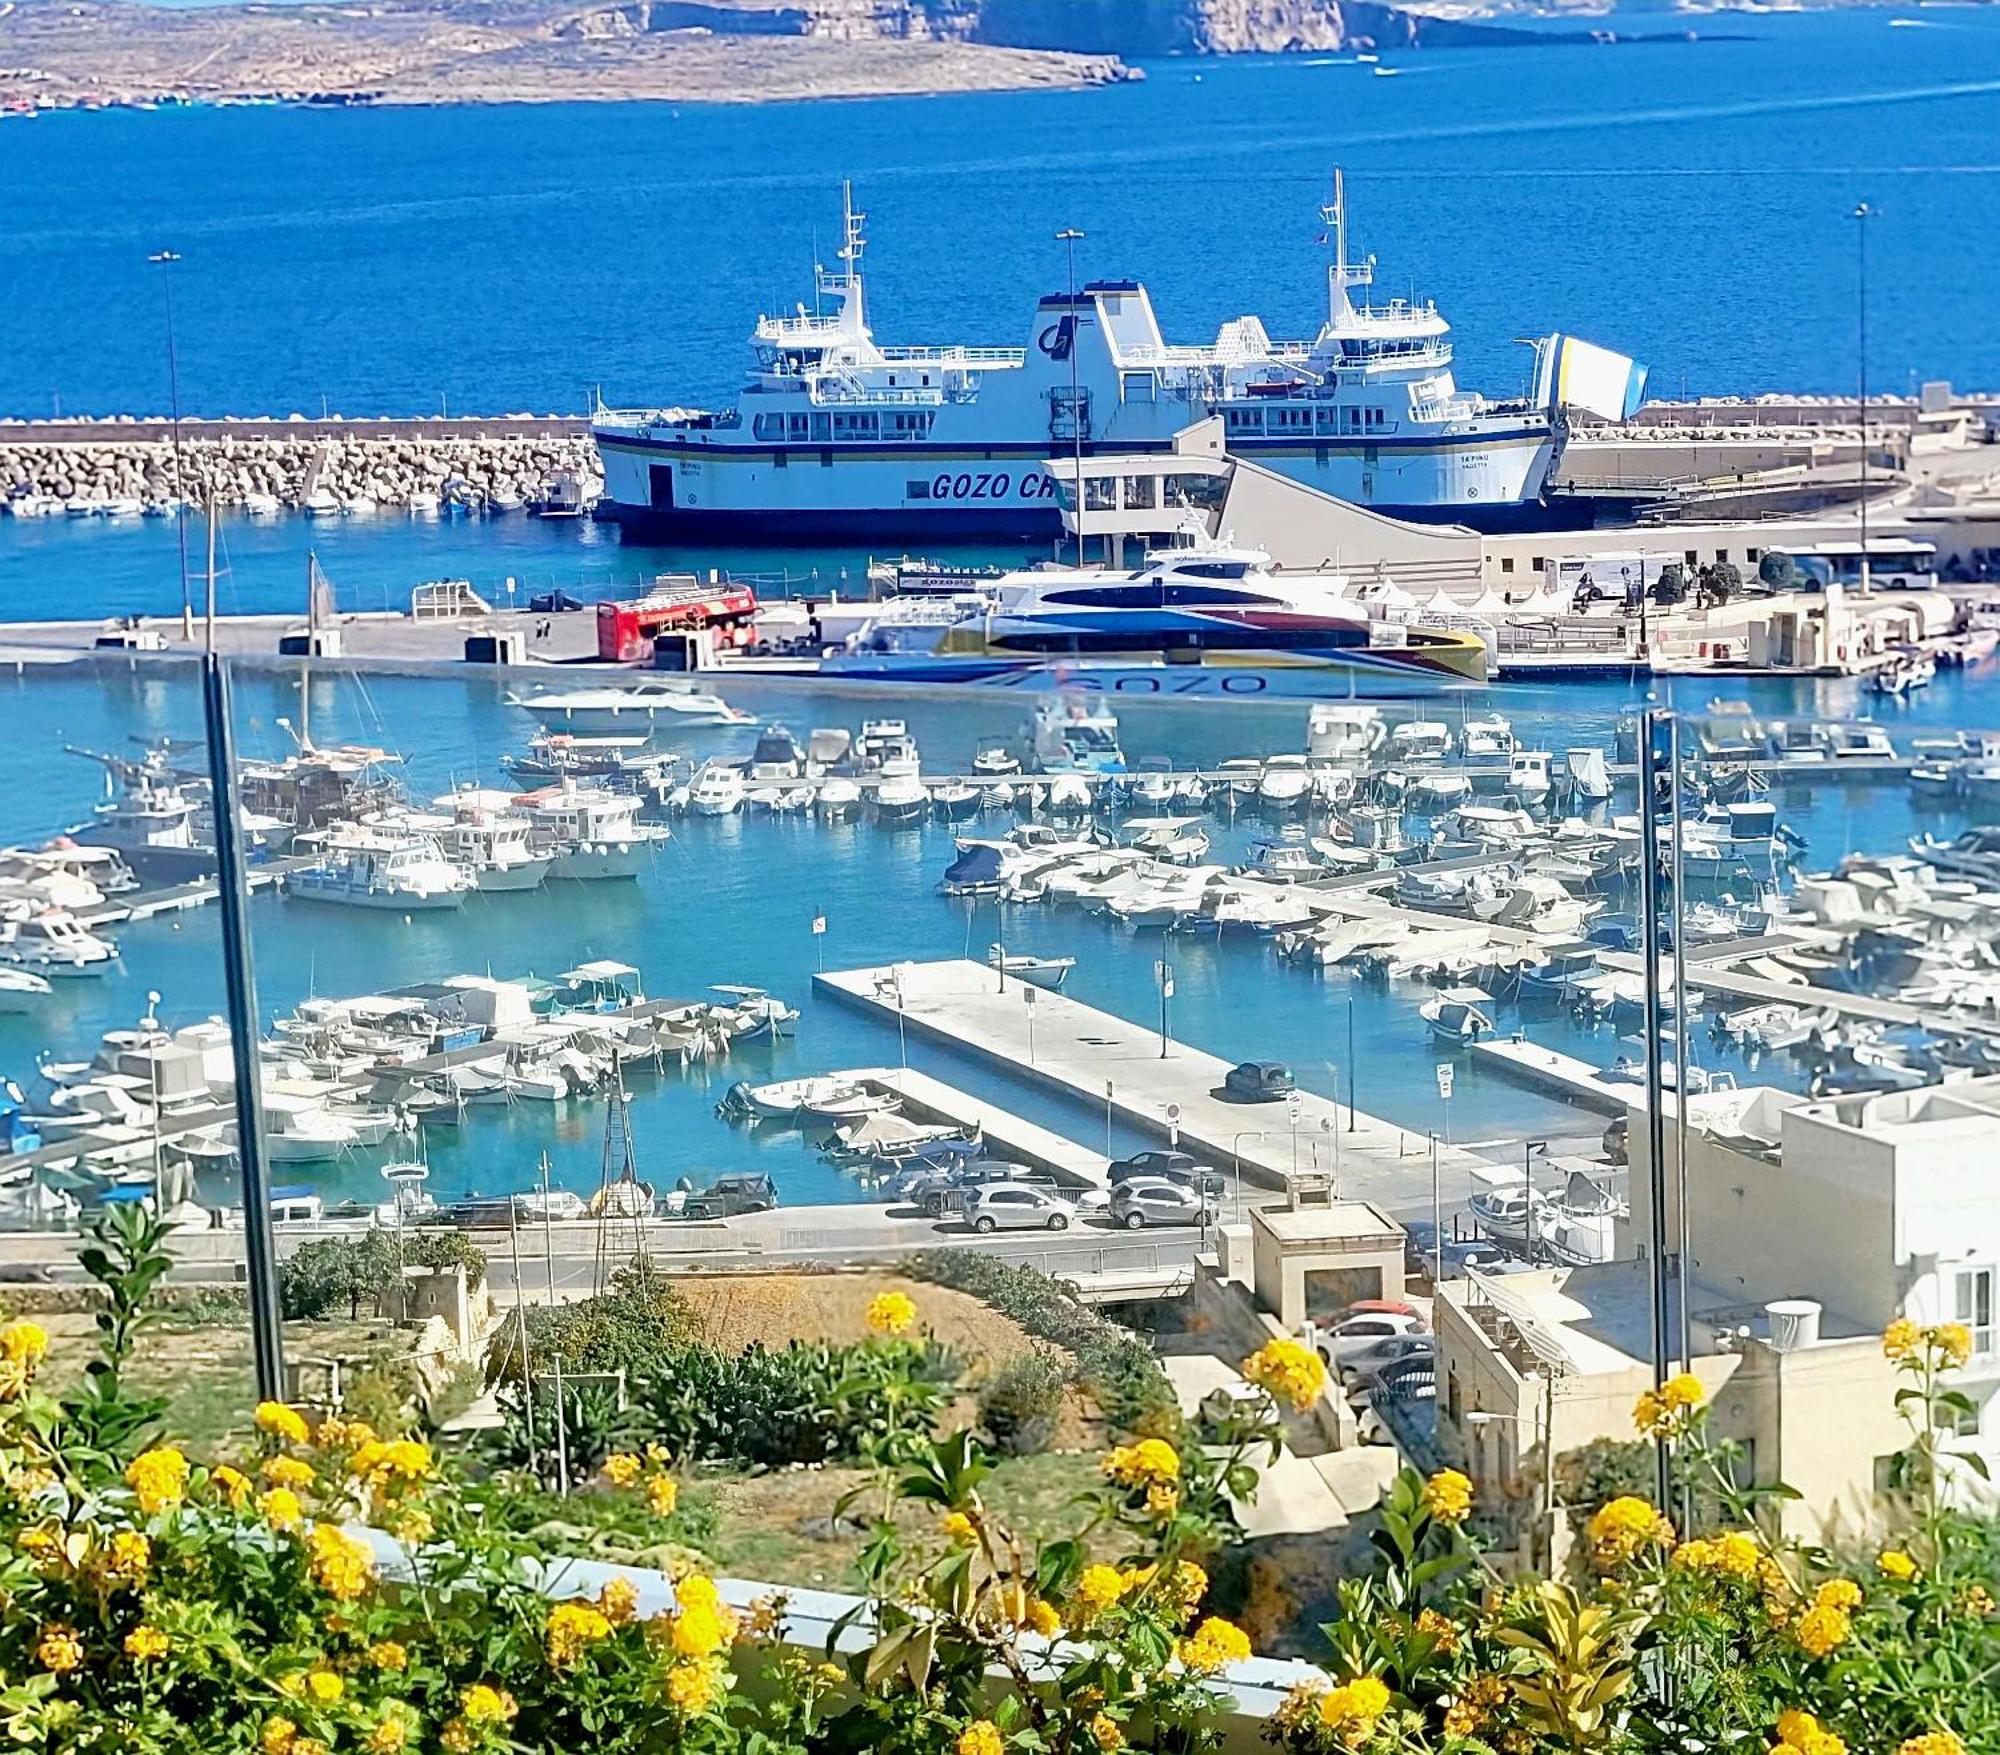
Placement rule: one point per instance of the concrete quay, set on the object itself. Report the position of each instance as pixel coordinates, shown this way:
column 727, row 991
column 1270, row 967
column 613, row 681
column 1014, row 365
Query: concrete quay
column 1102, row 1059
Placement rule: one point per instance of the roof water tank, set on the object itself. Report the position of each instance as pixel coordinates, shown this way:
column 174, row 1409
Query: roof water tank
column 1794, row 1323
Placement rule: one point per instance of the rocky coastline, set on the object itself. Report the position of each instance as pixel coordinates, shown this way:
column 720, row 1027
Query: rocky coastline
column 135, row 472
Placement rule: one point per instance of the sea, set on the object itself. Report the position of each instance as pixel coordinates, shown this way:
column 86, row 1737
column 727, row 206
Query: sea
column 1687, row 201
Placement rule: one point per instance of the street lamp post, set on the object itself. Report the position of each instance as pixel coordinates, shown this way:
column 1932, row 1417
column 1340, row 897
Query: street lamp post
column 1164, row 973
column 1069, row 237
column 1437, row 1221
column 1862, row 214
column 165, row 259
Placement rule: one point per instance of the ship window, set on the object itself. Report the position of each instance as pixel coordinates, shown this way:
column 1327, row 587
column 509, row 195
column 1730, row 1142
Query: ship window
column 1244, row 420
column 822, row 428
column 1377, row 417
column 1329, row 418
column 798, row 425
column 1100, row 493
column 916, row 490
column 1350, row 419
column 1139, row 495
column 768, row 426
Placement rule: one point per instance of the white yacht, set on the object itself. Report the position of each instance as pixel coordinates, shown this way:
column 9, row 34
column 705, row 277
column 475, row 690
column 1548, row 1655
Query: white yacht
column 607, row 711
column 838, row 435
column 365, row 869
column 594, row 834
column 717, row 791
column 56, row 944
column 21, row 991
column 488, row 835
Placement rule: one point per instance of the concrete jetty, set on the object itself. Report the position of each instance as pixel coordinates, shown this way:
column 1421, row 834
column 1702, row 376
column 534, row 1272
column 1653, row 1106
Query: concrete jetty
column 1529, row 1063
column 1105, row 1060
column 932, row 1100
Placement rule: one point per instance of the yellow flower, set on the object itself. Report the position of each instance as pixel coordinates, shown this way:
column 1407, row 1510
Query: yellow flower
column 702, row 1629
column 1666, row 1411
column 127, row 1556
column 144, row 1644
column 618, row 1601
column 1098, row 1587
column 1820, row 1629
column 1953, row 1340
column 340, row 1565
column 1977, row 1601
column 621, row 1468
column 485, row 1705
column 1621, row 1529
column 1353, row 1707
column 278, row 1736
column 1186, row 1586
column 573, row 1628
column 458, row 1737
column 1474, row 1706
column 692, row 1687
column 325, row 1686
column 959, row 1528
column 1440, row 1628
column 662, row 1495
column 1448, row 1497
column 281, row 1508
column 1838, row 1593
column 386, row 1654
column 981, row 1737
column 1104, row 1732
column 1162, row 1500
column 1290, row 1371
column 1212, row 1646
column 1932, row 1743
column 1902, row 1339
column 1149, row 1462
column 287, row 1471
column 392, row 1731
column 158, row 1478
column 59, row 1650
column 1794, row 1726
column 413, row 1526
column 891, row 1313
column 1041, row 1617
column 1894, row 1563
column 1735, row 1554
column 233, row 1485
column 25, row 1344
column 276, row 1420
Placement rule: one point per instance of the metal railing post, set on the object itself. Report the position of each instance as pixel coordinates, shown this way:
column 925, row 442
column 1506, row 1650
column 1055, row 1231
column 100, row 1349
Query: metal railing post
column 260, row 1248
column 1650, row 722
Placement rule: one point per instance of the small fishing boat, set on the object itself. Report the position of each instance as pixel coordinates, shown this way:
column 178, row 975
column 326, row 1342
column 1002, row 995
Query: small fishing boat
column 1459, row 1016
column 1046, row 972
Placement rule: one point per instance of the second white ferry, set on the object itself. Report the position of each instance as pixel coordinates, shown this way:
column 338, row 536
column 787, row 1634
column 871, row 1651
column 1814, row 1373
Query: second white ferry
column 837, row 436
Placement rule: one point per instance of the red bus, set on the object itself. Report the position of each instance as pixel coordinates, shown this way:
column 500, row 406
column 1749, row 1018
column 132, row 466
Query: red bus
column 626, row 631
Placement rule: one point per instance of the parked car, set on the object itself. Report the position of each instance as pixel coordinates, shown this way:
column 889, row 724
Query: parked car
column 1178, row 1167
column 1259, row 1081
column 953, row 1195
column 1408, row 1380
column 728, row 1196
column 1364, row 1369
column 1342, row 1340
column 1152, row 1200
column 1015, row 1206
column 1460, row 1253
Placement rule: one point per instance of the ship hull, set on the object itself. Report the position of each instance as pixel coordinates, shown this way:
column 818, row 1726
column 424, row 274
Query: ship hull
column 1334, row 678
column 688, row 487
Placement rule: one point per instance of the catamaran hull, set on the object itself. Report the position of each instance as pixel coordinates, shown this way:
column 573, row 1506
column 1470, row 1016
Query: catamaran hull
column 1335, row 678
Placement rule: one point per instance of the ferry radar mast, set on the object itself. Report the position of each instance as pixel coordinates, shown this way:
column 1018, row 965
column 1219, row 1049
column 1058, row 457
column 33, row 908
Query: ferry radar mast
column 1340, row 275
column 844, row 282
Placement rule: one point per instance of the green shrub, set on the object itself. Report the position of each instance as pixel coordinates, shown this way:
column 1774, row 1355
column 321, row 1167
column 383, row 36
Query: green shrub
column 1116, row 1367
column 1022, row 1402
column 635, row 1327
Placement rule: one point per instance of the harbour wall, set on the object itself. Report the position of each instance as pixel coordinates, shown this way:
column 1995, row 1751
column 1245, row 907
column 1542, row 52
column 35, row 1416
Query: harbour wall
column 386, row 461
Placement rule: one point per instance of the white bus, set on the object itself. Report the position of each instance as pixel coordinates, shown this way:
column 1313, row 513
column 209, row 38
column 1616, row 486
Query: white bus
column 1895, row 563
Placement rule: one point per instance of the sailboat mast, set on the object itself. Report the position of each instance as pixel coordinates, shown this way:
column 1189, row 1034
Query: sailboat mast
column 208, row 614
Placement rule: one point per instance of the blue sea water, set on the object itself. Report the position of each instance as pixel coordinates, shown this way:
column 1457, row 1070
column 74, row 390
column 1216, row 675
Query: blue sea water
column 732, row 900
column 1683, row 201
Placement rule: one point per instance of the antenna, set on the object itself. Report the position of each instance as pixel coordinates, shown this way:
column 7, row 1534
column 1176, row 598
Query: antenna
column 618, row 1181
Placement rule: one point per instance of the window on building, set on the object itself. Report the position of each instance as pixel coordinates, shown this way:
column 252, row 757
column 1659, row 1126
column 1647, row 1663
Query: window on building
column 1975, row 1307
column 1506, row 563
column 1970, row 1422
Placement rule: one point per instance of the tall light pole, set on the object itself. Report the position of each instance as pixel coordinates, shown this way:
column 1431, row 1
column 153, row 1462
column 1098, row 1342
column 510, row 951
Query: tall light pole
column 166, row 260
column 1862, row 214
column 1070, row 237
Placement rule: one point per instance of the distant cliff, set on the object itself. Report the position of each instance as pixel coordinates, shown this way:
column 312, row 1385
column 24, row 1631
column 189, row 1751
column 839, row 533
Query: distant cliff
column 1128, row 29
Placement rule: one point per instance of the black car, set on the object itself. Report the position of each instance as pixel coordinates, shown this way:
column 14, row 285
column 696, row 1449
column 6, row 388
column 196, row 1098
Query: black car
column 728, row 1196
column 1259, row 1081
column 1174, row 1166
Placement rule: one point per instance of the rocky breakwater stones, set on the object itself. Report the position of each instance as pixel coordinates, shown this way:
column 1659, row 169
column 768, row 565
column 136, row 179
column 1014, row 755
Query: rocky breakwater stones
column 481, row 473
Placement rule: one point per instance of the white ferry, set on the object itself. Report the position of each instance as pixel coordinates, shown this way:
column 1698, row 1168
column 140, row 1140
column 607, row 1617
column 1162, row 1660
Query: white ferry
column 837, row 436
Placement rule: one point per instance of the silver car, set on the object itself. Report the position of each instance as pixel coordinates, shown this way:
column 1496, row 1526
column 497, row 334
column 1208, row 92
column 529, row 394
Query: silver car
column 1012, row 1206
column 1140, row 1201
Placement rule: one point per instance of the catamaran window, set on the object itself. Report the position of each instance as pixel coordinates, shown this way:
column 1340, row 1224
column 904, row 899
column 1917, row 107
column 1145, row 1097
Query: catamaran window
column 917, row 490
column 1378, row 417
column 1215, row 569
column 1100, row 493
column 1243, row 420
column 1139, row 495
column 768, row 426
column 1350, row 419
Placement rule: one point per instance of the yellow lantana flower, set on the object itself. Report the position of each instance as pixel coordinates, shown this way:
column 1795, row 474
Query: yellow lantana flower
column 283, row 1423
column 158, row 1478
column 1291, row 1371
column 1448, row 1497
column 891, row 1313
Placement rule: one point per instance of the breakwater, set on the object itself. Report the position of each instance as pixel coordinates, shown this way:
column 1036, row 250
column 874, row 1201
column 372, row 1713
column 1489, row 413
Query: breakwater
column 47, row 466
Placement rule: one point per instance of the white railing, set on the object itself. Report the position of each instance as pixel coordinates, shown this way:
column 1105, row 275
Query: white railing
column 956, row 356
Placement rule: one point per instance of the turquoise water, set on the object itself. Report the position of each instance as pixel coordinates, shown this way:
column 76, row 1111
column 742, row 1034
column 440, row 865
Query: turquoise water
column 732, row 900
column 1683, row 202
